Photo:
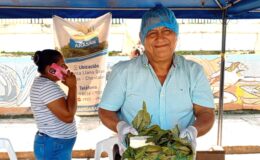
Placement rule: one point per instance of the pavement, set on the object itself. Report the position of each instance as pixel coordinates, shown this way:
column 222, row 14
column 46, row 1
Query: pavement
column 238, row 130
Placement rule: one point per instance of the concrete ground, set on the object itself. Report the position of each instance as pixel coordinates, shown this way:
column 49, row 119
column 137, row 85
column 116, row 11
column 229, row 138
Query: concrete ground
column 238, row 130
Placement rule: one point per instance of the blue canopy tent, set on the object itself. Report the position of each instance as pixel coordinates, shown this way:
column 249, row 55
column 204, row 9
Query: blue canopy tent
column 127, row 9
column 206, row 9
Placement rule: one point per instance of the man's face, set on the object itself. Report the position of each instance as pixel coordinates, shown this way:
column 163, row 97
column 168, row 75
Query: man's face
column 160, row 44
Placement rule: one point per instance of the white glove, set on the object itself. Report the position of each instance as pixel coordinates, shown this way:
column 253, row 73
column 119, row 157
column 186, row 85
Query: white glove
column 122, row 130
column 191, row 134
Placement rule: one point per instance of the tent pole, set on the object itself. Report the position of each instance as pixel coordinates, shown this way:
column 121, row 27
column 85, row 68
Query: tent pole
column 222, row 71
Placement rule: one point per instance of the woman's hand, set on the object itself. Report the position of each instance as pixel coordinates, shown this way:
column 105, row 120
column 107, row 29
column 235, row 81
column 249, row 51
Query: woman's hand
column 70, row 79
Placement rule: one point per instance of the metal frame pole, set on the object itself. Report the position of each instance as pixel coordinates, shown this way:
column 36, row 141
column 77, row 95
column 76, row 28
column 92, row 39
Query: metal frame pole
column 222, row 71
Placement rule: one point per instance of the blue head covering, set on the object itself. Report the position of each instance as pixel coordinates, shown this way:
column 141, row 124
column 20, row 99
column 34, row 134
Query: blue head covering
column 158, row 16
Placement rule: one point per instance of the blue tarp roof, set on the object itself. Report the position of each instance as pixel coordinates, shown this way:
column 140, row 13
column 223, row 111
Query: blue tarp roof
column 212, row 9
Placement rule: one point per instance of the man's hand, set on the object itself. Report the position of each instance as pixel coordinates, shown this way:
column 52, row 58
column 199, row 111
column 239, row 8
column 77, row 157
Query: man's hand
column 191, row 134
column 122, row 130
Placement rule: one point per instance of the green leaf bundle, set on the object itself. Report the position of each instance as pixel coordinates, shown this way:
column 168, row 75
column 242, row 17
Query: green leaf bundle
column 167, row 144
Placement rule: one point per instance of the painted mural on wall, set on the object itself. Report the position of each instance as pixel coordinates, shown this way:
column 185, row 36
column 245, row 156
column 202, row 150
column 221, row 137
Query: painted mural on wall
column 16, row 77
column 242, row 80
column 241, row 89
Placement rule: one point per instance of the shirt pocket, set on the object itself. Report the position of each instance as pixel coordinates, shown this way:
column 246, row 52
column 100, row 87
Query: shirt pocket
column 136, row 100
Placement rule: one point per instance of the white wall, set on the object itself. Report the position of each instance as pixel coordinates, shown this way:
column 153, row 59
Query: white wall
column 241, row 35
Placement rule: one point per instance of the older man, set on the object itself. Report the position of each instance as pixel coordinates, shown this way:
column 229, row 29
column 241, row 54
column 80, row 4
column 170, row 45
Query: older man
column 175, row 90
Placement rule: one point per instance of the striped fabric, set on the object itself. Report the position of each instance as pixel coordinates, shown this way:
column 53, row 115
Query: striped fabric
column 44, row 91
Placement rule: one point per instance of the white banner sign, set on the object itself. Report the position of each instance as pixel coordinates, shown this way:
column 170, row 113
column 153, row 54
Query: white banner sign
column 84, row 45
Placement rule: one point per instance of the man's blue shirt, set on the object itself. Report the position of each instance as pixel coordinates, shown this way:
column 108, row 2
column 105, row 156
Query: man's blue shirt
column 134, row 81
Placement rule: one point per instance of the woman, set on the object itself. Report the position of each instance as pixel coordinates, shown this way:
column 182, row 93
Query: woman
column 52, row 109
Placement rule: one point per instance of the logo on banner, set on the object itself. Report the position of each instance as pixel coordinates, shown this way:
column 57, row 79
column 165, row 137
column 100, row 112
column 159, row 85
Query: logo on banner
column 84, row 41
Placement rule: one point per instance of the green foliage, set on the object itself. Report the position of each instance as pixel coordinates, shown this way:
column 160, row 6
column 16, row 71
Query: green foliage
column 167, row 144
column 114, row 53
column 198, row 52
column 18, row 53
column 204, row 52
column 69, row 52
column 142, row 119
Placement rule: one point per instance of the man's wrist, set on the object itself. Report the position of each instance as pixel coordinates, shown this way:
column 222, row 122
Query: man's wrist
column 119, row 125
column 193, row 130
